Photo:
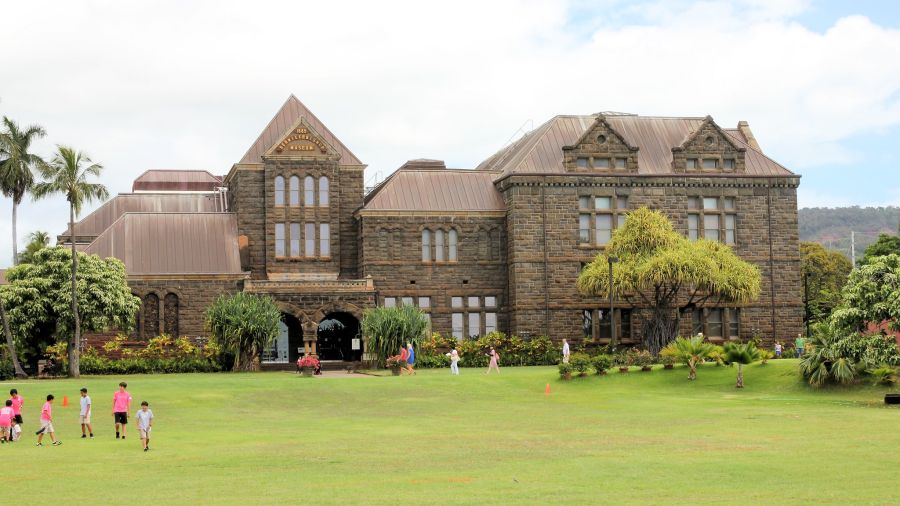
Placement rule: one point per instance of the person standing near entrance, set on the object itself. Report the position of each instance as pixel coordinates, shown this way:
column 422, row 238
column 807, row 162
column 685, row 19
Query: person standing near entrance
column 800, row 343
column 566, row 352
column 121, row 406
column 410, row 359
column 454, row 362
column 494, row 365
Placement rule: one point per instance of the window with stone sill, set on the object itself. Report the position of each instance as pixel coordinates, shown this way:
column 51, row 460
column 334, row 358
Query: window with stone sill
column 294, row 186
column 716, row 323
column 295, row 240
column 713, row 217
column 324, row 187
column 476, row 318
column 324, row 240
column 595, row 324
column 598, row 217
column 309, row 191
column 440, row 246
column 279, row 191
column 279, row 240
column 309, row 250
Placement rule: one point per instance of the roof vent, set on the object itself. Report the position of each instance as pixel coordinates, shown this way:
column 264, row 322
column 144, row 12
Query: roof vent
column 423, row 164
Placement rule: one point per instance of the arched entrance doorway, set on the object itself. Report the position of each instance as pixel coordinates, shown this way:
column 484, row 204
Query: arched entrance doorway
column 339, row 338
column 288, row 346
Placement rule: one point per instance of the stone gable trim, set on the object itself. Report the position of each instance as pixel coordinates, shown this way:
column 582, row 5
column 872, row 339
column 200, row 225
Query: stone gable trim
column 189, row 277
column 429, row 214
column 544, row 180
column 330, row 153
column 708, row 122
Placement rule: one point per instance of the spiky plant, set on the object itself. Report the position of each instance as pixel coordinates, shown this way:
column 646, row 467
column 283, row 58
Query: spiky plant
column 692, row 352
column 387, row 329
column 741, row 354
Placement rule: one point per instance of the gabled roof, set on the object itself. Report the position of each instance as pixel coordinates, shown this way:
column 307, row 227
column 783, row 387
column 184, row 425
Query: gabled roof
column 172, row 243
column 95, row 223
column 284, row 119
column 541, row 150
column 436, row 190
column 176, row 180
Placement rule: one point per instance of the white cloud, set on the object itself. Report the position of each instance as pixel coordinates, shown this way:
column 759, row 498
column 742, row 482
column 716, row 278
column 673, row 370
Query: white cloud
column 190, row 84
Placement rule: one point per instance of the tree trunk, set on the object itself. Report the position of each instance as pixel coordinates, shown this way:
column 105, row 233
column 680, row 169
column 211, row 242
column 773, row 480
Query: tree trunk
column 245, row 361
column 75, row 343
column 740, row 377
column 20, row 373
column 15, row 243
column 692, row 370
column 659, row 329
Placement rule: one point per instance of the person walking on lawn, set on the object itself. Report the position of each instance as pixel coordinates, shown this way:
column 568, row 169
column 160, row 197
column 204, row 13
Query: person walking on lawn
column 121, row 406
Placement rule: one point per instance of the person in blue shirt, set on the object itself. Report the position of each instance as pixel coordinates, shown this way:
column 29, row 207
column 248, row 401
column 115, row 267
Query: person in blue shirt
column 411, row 360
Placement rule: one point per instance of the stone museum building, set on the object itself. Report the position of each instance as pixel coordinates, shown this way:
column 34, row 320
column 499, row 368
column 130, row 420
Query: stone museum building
column 494, row 247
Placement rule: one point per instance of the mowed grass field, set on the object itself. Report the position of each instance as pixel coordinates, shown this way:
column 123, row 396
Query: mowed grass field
column 276, row 438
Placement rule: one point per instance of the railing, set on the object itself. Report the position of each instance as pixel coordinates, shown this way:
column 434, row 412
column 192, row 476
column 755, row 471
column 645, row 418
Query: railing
column 310, row 286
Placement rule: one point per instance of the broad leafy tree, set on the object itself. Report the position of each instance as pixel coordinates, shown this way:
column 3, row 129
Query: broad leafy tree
column 885, row 245
column 826, row 273
column 39, row 306
column 387, row 329
column 17, row 164
column 68, row 174
column 243, row 324
column 871, row 295
column 662, row 270
column 36, row 242
column 741, row 354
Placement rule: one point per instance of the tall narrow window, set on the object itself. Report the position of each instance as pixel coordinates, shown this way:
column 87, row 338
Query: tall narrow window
column 279, row 239
column 490, row 322
column 587, row 323
column 390, row 302
column 279, row 191
column 310, row 231
column 151, row 316
column 439, row 246
column 309, row 191
column 604, row 229
column 295, row 239
column 474, row 325
column 453, row 239
column 323, row 191
column 624, row 324
column 730, row 221
column 711, row 227
column 170, row 315
column 295, row 191
column 324, row 240
column 426, row 245
column 584, row 228
column 696, row 322
column 693, row 227
column 714, row 323
column 734, row 323
column 456, row 321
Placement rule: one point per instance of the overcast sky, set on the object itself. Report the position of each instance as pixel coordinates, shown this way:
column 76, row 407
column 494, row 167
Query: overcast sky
column 189, row 85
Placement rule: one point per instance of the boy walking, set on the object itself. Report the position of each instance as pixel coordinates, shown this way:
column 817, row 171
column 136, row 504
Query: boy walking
column 47, row 423
column 121, row 405
column 145, row 423
column 85, row 414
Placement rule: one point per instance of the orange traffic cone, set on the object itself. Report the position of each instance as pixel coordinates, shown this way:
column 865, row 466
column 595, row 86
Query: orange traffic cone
column 66, row 401
column 547, row 389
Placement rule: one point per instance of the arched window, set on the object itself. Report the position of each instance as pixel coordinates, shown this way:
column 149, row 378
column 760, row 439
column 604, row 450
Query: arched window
column 170, row 314
column 151, row 316
column 309, row 191
column 295, row 191
column 279, row 191
column 426, row 245
column 323, row 191
column 439, row 246
column 453, row 240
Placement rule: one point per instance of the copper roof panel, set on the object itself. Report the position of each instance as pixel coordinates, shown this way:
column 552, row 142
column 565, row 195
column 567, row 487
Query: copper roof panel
column 95, row 223
column 176, row 180
column 436, row 191
column 290, row 112
column 172, row 243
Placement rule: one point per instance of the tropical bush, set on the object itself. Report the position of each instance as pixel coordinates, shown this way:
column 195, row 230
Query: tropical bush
column 161, row 355
column 884, row 375
column 601, row 363
column 640, row 358
column 741, row 354
column 692, row 352
column 835, row 357
column 513, row 350
column 6, row 368
column 765, row 356
column 716, row 355
column 387, row 329
column 243, row 324
column 564, row 369
column 580, row 363
column 668, row 355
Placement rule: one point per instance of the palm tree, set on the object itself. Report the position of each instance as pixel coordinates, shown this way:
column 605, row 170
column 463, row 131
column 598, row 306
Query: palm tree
column 18, row 162
column 741, row 354
column 68, row 174
column 692, row 352
column 36, row 241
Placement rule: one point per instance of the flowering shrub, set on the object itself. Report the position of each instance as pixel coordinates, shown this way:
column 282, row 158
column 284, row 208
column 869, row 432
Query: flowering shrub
column 308, row 361
column 394, row 362
column 474, row 352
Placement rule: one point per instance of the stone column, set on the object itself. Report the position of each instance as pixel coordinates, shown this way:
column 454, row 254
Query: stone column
column 310, row 335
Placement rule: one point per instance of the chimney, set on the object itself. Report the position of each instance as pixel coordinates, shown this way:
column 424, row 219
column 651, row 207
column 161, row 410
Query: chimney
column 744, row 128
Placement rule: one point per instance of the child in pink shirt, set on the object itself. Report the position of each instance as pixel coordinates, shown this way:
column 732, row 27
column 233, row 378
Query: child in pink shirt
column 121, row 406
column 17, row 402
column 6, row 419
column 47, row 423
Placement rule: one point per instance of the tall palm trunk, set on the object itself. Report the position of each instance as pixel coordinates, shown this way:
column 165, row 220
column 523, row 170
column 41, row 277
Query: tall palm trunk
column 15, row 238
column 20, row 373
column 740, row 376
column 75, row 343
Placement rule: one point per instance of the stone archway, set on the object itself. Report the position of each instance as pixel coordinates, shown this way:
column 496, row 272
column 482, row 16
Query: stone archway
column 339, row 337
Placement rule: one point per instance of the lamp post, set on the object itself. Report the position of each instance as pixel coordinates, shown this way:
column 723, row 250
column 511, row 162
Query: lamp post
column 612, row 316
column 806, row 302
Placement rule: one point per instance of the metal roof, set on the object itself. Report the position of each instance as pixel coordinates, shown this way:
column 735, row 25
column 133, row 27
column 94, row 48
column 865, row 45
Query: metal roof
column 284, row 119
column 436, row 190
column 172, row 243
column 3, row 277
column 176, row 180
column 540, row 151
column 95, row 223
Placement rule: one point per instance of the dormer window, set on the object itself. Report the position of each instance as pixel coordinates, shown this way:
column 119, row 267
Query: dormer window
column 581, row 163
column 710, row 163
column 728, row 164
column 691, row 164
column 621, row 163
column 601, row 163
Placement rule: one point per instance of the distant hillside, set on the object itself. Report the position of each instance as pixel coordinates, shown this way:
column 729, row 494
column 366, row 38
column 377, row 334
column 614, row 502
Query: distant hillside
column 831, row 227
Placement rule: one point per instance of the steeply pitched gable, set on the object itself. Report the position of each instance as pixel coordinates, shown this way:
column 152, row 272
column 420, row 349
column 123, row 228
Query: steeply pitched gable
column 601, row 147
column 708, row 145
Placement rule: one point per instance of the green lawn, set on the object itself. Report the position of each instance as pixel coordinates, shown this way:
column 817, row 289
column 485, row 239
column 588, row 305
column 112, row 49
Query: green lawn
column 654, row 437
